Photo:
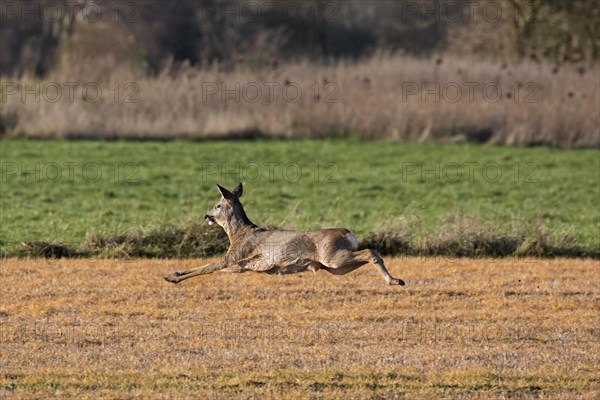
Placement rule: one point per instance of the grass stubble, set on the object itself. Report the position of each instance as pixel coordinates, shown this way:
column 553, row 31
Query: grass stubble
column 486, row 328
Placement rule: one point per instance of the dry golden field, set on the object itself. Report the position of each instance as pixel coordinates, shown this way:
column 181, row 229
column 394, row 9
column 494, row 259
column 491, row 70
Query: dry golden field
column 460, row 328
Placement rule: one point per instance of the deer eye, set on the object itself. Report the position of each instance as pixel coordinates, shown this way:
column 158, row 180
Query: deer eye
column 218, row 206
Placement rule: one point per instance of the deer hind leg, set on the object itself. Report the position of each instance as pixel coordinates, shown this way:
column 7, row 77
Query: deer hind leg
column 356, row 259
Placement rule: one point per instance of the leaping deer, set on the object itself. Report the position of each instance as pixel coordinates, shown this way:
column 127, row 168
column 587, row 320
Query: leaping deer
column 252, row 248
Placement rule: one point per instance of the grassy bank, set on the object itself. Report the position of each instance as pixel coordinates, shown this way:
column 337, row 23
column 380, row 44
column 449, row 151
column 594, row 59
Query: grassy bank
column 78, row 192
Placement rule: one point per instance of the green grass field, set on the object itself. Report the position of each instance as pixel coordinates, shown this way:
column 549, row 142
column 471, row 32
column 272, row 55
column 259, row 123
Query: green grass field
column 65, row 190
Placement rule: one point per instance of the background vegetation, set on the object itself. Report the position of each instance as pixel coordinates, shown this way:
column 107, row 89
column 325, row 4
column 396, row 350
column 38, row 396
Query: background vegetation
column 364, row 69
column 37, row 34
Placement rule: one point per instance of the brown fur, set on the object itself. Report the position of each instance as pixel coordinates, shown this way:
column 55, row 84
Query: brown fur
column 252, row 248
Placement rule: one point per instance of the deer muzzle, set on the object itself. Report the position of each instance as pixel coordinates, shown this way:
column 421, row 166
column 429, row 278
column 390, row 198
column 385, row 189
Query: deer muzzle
column 209, row 219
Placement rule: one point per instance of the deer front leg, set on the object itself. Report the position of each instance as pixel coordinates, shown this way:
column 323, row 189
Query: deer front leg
column 189, row 271
column 205, row 269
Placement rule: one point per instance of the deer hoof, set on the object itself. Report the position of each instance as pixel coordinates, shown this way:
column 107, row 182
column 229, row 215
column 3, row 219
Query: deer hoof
column 171, row 280
column 397, row 282
column 179, row 273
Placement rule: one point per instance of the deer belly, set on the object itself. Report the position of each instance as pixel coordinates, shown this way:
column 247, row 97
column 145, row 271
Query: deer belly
column 275, row 265
column 299, row 266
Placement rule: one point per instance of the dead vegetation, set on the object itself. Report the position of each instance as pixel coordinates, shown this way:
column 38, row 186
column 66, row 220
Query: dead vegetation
column 441, row 98
column 460, row 236
column 193, row 240
column 512, row 328
column 467, row 236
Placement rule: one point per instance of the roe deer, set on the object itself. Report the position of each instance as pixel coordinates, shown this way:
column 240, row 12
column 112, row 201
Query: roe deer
column 279, row 251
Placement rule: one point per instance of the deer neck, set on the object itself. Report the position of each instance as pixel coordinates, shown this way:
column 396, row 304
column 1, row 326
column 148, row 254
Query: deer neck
column 238, row 227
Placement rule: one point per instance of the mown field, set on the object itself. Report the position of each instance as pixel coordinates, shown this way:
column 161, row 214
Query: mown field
column 508, row 328
column 64, row 191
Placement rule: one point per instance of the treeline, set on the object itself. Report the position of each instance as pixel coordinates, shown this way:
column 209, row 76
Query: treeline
column 260, row 33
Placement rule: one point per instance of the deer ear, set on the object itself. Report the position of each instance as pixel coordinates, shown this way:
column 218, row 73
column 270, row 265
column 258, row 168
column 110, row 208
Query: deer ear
column 238, row 190
column 225, row 193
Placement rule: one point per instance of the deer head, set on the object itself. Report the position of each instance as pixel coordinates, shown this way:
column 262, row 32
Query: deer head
column 228, row 211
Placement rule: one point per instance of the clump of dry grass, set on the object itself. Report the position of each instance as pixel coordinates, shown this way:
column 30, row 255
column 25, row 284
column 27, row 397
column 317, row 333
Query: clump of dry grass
column 38, row 248
column 465, row 236
column 539, row 242
column 191, row 240
column 393, row 238
column 460, row 236
column 442, row 98
column 468, row 236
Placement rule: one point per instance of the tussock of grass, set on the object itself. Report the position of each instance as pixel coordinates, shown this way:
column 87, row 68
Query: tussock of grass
column 192, row 240
column 391, row 239
column 467, row 236
column 38, row 248
column 461, row 236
